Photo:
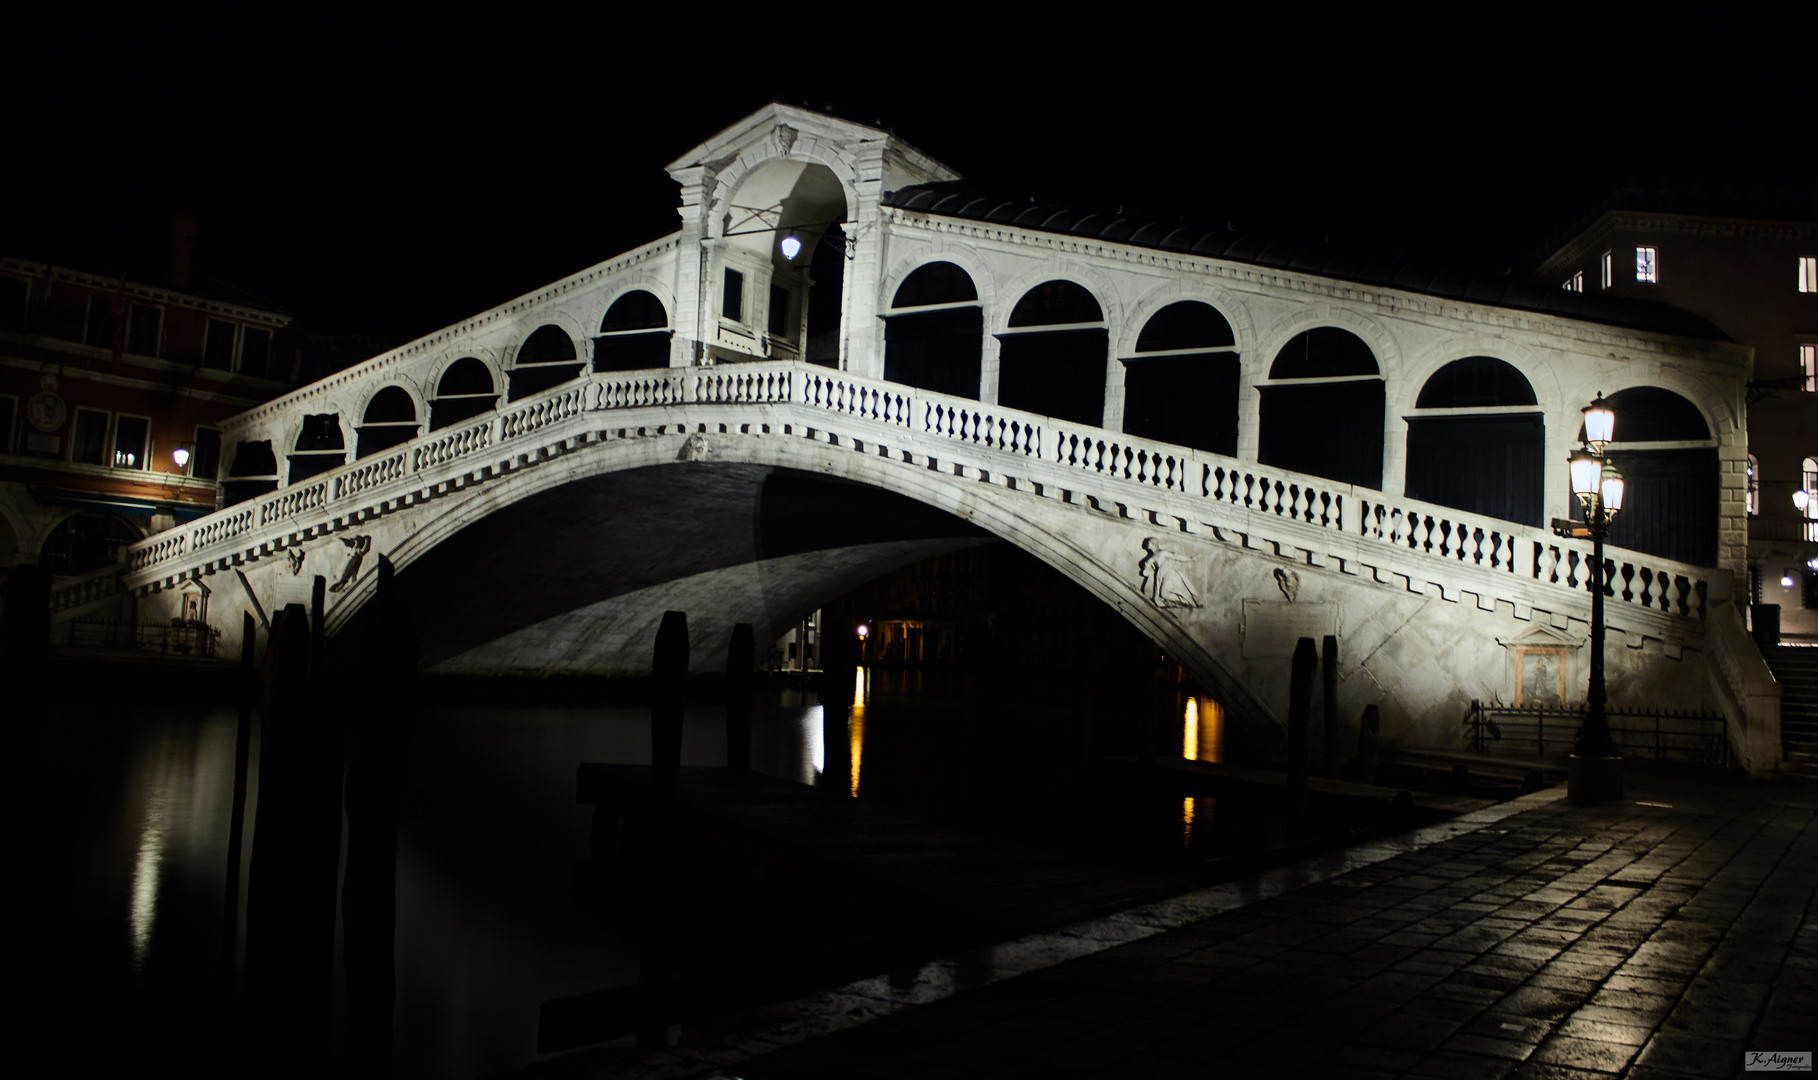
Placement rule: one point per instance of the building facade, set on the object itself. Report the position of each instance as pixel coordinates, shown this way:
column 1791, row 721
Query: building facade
column 113, row 392
column 1757, row 281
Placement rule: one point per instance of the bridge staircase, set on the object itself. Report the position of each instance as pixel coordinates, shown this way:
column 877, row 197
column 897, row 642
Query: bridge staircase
column 1796, row 669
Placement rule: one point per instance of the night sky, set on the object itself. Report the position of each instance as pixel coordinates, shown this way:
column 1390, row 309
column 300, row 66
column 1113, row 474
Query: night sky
column 395, row 178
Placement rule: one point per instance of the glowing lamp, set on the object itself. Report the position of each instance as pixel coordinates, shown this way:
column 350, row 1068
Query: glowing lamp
column 1786, row 580
column 1599, row 422
column 181, row 456
column 1587, row 475
column 1800, row 498
column 791, row 247
column 863, row 631
column 1612, row 490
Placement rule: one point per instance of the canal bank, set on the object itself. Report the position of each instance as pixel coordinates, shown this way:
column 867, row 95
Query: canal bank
column 1662, row 936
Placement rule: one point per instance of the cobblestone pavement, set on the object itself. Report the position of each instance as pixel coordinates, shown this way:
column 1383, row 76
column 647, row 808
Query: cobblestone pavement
column 1663, row 936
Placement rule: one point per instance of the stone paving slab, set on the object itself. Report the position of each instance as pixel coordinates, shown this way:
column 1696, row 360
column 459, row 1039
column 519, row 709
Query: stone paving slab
column 1660, row 937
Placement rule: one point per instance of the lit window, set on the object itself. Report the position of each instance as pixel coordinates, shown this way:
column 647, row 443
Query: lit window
column 1575, row 283
column 1647, row 265
column 1809, row 474
column 1808, row 273
column 1754, row 485
column 1808, row 366
column 131, row 442
column 1609, row 269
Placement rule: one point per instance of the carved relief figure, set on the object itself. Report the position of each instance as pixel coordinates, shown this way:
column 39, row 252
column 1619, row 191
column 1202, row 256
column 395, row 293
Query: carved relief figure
column 295, row 555
column 1289, row 582
column 1541, row 678
column 785, row 138
column 695, row 448
column 357, row 546
column 1166, row 575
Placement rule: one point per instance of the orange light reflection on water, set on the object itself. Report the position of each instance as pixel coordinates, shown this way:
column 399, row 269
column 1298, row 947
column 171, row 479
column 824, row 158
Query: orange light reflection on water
column 1202, row 738
column 857, row 727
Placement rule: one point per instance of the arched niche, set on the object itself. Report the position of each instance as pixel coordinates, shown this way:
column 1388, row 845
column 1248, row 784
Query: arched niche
column 1051, row 356
column 87, row 541
column 463, row 392
column 780, row 255
column 390, row 418
column 1322, row 409
column 934, row 332
column 1180, row 385
column 320, row 446
column 634, row 334
column 1668, row 460
column 547, row 358
column 1477, row 442
column 254, row 472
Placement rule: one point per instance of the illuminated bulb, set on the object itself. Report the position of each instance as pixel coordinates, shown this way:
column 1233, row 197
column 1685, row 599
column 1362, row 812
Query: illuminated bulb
column 1786, row 581
column 791, row 246
column 863, row 630
column 1800, row 498
column 181, row 456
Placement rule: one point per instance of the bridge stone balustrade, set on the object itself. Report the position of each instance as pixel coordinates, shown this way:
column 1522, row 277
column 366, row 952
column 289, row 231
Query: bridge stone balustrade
column 1027, row 477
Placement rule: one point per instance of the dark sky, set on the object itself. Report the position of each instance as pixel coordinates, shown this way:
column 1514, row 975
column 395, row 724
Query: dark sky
column 394, row 179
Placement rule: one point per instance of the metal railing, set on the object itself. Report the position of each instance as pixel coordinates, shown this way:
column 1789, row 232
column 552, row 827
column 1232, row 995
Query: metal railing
column 187, row 639
column 1664, row 735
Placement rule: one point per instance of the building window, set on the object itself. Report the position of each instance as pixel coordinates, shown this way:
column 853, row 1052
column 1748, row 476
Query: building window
column 1808, row 470
column 1647, row 265
column 205, row 455
column 88, row 440
column 218, row 345
column 1575, row 283
column 99, row 329
column 1808, row 366
column 732, row 304
column 142, row 325
column 1754, row 485
column 1609, row 269
column 132, row 436
column 255, row 352
column 1808, row 273
column 9, row 411
column 14, row 294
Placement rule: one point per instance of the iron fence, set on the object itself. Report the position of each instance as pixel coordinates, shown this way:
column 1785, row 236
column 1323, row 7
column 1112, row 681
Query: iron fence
column 1662, row 734
column 188, row 639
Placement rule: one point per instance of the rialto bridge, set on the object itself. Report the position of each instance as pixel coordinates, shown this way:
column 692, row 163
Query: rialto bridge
column 846, row 360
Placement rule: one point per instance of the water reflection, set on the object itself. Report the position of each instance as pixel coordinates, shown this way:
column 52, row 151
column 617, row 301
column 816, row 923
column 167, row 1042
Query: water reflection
column 856, row 727
column 1202, row 739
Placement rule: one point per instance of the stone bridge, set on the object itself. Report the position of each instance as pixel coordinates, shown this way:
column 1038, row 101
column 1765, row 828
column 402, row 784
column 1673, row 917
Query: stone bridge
column 650, row 434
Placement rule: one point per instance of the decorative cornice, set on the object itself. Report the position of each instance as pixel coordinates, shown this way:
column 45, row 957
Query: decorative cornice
column 35, row 270
column 1595, row 236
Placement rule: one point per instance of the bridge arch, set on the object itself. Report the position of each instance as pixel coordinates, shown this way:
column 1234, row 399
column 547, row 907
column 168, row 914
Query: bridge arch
column 734, row 175
column 1073, row 549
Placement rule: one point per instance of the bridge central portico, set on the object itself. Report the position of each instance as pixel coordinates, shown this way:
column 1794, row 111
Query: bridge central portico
column 1039, row 388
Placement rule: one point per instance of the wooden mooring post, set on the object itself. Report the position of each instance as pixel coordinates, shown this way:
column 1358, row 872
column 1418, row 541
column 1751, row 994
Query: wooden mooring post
column 1300, row 708
column 1367, row 729
column 740, row 652
column 1328, row 664
column 669, row 670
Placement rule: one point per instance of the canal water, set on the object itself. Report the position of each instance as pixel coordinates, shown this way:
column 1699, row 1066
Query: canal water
column 498, row 911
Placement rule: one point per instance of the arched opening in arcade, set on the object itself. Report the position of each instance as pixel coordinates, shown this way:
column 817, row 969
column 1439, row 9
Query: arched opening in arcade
column 320, row 446
column 634, row 334
column 253, row 472
column 463, row 392
column 1180, row 386
column 1668, row 460
column 87, row 540
column 1322, row 408
column 390, row 418
column 934, row 332
column 780, row 265
column 1052, row 354
column 546, row 359
column 1477, row 442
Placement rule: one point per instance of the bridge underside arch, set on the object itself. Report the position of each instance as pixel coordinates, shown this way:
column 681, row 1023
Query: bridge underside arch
column 569, row 570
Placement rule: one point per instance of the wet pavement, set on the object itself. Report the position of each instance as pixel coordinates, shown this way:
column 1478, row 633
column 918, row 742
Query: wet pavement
column 1668, row 935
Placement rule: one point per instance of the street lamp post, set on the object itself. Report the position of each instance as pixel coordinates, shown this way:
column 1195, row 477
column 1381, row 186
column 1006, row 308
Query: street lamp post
column 1595, row 768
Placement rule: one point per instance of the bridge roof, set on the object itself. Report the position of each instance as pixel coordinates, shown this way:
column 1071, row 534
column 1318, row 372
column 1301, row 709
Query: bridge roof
column 959, row 199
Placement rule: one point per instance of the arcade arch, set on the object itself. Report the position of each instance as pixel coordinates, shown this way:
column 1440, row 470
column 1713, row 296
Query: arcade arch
column 1181, row 382
column 1477, row 441
column 390, row 418
column 1051, row 355
column 464, row 391
column 634, row 334
column 934, row 331
column 547, row 358
column 1322, row 408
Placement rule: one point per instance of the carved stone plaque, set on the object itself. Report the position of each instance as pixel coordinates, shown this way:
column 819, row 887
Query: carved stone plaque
column 1273, row 627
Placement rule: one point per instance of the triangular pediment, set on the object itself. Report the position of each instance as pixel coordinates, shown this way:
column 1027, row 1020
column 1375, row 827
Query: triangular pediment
column 778, row 129
column 1541, row 634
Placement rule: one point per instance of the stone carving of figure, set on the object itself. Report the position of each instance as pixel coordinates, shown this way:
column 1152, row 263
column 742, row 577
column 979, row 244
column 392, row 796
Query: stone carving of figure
column 357, row 547
column 1166, row 578
column 785, row 138
column 1289, row 582
column 1541, row 684
column 696, row 448
column 295, row 555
